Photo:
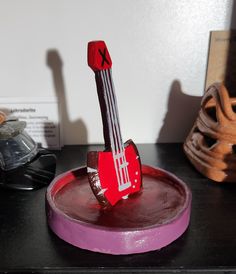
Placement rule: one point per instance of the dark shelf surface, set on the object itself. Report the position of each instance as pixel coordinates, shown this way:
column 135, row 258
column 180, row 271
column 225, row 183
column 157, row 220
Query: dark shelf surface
column 209, row 244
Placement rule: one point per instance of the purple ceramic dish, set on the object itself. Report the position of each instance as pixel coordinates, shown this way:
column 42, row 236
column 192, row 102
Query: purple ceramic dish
column 146, row 221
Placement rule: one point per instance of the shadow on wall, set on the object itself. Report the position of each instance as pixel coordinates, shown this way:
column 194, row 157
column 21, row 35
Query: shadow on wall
column 78, row 127
column 181, row 114
column 183, row 109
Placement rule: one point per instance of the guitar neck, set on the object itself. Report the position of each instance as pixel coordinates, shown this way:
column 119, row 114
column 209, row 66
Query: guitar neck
column 109, row 110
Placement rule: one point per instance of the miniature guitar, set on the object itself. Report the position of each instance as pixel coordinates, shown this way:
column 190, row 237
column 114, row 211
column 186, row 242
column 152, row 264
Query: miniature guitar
column 115, row 173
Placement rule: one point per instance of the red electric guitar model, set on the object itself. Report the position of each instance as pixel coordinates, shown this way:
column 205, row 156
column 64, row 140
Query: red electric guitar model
column 115, row 173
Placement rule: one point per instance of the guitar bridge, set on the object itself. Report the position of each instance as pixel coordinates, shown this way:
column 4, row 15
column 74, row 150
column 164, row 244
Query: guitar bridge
column 124, row 186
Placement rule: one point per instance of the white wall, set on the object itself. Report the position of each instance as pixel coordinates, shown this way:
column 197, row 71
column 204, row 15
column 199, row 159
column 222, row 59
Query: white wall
column 159, row 50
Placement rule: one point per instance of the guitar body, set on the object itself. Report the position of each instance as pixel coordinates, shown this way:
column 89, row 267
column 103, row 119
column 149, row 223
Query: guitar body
column 107, row 175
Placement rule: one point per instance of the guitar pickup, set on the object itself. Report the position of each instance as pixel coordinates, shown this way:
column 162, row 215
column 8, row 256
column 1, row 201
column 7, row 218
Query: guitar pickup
column 123, row 165
column 118, row 155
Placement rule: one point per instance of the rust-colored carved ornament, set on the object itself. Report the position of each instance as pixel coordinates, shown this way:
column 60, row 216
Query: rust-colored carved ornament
column 211, row 144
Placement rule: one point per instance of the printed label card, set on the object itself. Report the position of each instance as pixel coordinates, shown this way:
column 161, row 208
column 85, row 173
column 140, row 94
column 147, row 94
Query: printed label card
column 42, row 116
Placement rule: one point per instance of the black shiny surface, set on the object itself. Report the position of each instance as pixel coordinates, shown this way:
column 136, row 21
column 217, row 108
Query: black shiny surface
column 27, row 244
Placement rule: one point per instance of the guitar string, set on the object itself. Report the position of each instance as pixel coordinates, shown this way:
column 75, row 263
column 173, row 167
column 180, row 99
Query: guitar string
column 109, row 74
column 113, row 145
column 122, row 168
column 118, row 149
column 114, row 103
column 118, row 139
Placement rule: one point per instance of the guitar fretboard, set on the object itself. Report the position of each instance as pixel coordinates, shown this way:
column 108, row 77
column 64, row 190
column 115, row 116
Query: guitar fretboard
column 111, row 125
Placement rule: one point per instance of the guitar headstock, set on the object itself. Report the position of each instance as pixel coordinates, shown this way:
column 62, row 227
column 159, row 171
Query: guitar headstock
column 98, row 56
